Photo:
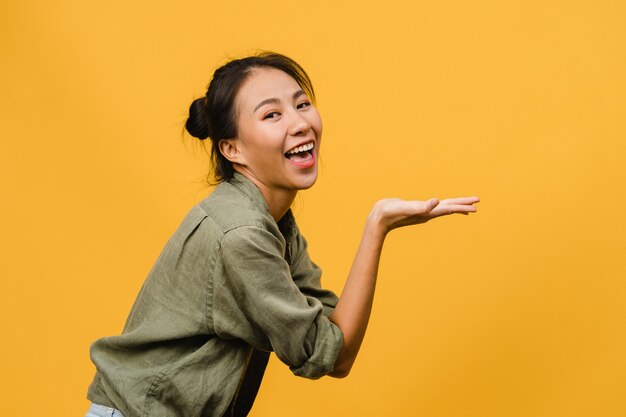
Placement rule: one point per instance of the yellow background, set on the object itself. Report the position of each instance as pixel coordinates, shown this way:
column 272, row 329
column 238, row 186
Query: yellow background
column 516, row 311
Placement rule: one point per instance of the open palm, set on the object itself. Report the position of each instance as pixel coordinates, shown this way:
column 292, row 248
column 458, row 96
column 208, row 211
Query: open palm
column 395, row 212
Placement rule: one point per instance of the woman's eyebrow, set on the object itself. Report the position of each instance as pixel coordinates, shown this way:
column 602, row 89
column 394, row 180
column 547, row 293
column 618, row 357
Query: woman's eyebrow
column 297, row 94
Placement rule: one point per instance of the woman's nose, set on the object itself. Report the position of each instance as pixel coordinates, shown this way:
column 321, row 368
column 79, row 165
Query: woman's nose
column 298, row 124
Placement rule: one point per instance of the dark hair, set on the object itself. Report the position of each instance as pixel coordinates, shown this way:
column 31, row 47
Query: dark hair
column 213, row 116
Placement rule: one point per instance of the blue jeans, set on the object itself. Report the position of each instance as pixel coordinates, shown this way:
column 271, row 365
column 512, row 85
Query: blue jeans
column 97, row 410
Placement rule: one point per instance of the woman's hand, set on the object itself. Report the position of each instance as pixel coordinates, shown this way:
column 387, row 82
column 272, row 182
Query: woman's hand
column 392, row 213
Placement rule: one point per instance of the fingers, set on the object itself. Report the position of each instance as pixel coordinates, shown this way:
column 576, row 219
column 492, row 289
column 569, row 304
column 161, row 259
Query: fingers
column 430, row 205
column 446, row 209
column 416, row 211
column 419, row 206
column 461, row 205
column 461, row 208
column 461, row 200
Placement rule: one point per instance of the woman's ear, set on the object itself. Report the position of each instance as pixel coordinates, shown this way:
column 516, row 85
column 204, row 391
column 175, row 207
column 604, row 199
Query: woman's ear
column 228, row 148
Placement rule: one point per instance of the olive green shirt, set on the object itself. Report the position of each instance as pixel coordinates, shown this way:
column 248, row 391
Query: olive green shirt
column 226, row 282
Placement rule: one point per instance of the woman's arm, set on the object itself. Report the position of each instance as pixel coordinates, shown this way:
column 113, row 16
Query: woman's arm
column 353, row 309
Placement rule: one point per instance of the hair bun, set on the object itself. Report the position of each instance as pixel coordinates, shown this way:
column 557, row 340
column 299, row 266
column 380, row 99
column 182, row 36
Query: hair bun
column 196, row 124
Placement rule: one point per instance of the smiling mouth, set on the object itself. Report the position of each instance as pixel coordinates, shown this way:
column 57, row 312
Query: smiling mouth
column 300, row 153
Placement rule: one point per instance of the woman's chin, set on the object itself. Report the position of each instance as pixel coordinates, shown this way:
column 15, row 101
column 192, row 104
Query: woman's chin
column 307, row 182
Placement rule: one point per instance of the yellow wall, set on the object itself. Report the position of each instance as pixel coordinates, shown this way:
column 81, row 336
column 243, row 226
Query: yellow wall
column 516, row 311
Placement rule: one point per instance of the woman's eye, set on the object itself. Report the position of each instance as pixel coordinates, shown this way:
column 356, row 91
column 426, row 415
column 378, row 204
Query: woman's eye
column 303, row 104
column 271, row 115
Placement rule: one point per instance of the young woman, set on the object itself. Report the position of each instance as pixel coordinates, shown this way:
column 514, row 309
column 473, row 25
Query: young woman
column 235, row 281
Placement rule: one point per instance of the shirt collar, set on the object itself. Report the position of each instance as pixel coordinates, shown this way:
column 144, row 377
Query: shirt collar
column 243, row 184
column 286, row 224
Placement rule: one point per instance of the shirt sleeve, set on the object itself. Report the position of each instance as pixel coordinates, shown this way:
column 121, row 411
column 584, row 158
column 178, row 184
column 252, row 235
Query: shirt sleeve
column 307, row 276
column 256, row 299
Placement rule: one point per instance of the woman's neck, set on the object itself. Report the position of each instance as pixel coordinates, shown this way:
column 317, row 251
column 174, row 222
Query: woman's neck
column 278, row 200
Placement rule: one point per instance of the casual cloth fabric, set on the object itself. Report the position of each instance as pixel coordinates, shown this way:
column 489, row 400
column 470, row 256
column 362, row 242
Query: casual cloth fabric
column 230, row 286
column 97, row 410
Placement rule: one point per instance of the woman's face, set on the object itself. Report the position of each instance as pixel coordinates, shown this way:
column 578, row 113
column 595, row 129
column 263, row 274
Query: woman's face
column 278, row 132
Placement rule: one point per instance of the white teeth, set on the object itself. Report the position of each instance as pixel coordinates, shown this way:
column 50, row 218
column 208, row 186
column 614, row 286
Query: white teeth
column 302, row 148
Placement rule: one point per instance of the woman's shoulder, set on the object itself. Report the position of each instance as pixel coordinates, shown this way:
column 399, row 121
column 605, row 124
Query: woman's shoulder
column 225, row 212
column 230, row 206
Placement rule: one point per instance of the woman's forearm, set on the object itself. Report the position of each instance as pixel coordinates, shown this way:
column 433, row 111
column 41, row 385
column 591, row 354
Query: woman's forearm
column 355, row 305
column 353, row 309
